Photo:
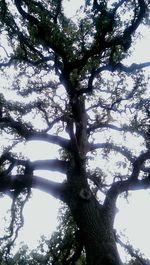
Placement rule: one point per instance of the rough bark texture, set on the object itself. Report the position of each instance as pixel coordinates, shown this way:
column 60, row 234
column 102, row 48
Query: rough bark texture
column 95, row 222
column 97, row 233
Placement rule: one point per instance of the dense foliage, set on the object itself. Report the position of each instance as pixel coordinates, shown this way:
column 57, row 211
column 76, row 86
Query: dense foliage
column 67, row 82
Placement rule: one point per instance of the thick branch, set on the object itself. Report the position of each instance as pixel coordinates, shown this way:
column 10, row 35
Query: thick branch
column 50, row 164
column 137, row 165
column 122, row 150
column 53, row 165
column 112, row 68
column 128, row 69
column 49, row 138
column 20, row 128
column 125, row 39
column 29, row 134
column 124, row 186
column 136, row 22
column 96, row 126
column 132, row 183
column 42, row 31
column 55, row 189
column 19, row 182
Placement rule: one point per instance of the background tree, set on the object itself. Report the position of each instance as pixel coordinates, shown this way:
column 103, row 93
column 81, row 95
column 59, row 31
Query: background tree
column 71, row 88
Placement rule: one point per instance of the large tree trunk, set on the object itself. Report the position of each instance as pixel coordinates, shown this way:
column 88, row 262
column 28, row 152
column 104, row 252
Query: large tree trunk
column 97, row 233
column 96, row 226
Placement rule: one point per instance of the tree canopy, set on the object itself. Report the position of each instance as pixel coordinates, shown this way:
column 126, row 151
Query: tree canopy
column 71, row 86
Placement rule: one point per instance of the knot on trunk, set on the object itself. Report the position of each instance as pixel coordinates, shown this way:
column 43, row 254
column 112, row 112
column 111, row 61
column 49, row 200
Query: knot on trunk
column 85, row 194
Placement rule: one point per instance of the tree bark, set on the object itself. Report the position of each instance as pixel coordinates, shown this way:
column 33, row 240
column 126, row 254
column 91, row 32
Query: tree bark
column 95, row 222
column 97, row 233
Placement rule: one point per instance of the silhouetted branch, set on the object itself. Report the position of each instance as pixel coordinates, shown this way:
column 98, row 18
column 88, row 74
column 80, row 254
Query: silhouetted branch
column 55, row 189
column 96, row 126
column 137, row 165
column 50, row 164
column 112, row 68
column 132, row 183
column 133, row 253
column 112, row 147
column 29, row 134
column 17, row 220
column 42, row 31
column 21, row 181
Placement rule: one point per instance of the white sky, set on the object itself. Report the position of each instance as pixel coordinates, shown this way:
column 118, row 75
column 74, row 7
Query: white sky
column 133, row 219
column 40, row 214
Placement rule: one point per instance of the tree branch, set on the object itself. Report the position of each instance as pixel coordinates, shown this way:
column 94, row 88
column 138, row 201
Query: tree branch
column 42, row 31
column 55, row 189
column 129, row 69
column 53, row 165
column 122, row 150
column 125, row 40
column 132, row 252
column 20, row 182
column 29, row 134
column 112, row 68
column 20, row 128
column 58, row 140
column 132, row 183
column 50, row 164
column 96, row 126
column 137, row 165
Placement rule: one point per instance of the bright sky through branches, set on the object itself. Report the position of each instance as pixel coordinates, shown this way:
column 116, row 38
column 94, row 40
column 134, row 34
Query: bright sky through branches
column 131, row 217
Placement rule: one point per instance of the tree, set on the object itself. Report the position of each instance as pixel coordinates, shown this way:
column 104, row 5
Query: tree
column 74, row 90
